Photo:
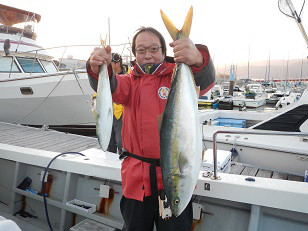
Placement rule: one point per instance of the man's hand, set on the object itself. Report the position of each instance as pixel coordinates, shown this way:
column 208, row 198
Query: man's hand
column 186, row 52
column 98, row 57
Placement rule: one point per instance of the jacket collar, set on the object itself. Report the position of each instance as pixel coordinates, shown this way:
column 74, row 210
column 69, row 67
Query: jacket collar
column 163, row 69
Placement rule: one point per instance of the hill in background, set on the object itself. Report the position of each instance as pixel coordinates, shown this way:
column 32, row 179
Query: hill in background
column 277, row 70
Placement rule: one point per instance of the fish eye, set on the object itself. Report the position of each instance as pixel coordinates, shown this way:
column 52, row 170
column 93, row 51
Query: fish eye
column 176, row 201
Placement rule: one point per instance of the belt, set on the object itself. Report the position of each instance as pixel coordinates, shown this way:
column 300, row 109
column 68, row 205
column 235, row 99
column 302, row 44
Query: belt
column 153, row 164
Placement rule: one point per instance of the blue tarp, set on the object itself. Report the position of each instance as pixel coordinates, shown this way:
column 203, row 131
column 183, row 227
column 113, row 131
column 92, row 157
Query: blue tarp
column 228, row 122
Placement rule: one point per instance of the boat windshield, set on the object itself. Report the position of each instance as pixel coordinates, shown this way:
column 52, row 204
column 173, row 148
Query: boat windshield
column 7, row 64
column 30, row 65
column 49, row 66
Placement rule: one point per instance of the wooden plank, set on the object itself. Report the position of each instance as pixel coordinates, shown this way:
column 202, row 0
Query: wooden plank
column 250, row 171
column 279, row 175
column 295, row 178
column 264, row 173
column 236, row 168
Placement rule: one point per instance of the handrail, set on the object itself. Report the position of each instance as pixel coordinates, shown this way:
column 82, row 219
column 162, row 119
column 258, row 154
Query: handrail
column 215, row 177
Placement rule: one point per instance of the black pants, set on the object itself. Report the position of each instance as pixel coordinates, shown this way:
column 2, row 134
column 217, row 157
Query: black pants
column 140, row 216
column 115, row 144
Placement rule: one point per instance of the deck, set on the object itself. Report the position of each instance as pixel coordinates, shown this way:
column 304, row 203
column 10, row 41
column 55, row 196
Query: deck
column 248, row 170
column 48, row 140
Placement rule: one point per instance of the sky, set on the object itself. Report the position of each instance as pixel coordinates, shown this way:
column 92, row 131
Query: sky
column 235, row 31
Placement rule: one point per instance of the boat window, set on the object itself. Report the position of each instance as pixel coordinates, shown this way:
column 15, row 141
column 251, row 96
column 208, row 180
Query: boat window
column 7, row 64
column 49, row 66
column 30, row 65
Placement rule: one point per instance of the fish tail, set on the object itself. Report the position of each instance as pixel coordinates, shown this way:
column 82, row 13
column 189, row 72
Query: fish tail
column 173, row 31
column 103, row 41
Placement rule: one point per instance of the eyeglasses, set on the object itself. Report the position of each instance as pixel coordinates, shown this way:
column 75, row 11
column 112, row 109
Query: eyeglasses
column 152, row 49
column 116, row 58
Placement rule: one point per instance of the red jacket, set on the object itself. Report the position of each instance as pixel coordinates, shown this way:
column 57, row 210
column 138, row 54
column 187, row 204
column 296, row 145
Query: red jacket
column 144, row 97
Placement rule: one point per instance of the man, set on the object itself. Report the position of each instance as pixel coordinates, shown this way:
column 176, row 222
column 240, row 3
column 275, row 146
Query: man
column 144, row 94
column 115, row 144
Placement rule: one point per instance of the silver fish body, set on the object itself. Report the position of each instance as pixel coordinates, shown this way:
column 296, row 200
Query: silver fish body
column 104, row 108
column 181, row 140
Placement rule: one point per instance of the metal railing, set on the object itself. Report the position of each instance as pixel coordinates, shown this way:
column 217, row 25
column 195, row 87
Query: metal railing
column 215, row 177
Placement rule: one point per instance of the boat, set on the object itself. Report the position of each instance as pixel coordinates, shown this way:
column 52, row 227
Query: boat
column 293, row 118
column 287, row 100
column 211, row 97
column 32, row 89
column 253, row 98
column 250, row 189
column 275, row 97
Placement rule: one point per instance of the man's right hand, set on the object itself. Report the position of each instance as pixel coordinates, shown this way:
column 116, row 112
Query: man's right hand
column 98, row 57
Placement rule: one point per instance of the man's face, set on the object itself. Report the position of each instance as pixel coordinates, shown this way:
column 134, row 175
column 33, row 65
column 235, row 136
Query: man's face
column 147, row 42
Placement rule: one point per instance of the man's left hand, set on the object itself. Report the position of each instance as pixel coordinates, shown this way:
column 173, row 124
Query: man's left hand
column 186, row 52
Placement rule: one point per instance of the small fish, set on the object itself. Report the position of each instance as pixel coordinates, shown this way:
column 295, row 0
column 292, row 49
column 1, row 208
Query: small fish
column 180, row 132
column 104, row 107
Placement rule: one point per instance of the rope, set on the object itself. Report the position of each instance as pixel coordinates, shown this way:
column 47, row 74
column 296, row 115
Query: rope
column 42, row 101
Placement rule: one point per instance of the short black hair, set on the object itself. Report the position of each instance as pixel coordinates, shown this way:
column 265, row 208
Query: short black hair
column 116, row 58
column 153, row 31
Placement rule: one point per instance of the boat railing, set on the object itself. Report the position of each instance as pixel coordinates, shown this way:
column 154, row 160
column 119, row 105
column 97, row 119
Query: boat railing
column 250, row 132
column 65, row 47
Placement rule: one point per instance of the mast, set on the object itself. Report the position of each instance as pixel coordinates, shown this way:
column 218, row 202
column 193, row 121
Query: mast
column 269, row 66
column 300, row 80
column 248, row 60
column 287, row 73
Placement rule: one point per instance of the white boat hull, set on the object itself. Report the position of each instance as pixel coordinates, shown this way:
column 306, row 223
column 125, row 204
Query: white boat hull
column 253, row 103
column 57, row 99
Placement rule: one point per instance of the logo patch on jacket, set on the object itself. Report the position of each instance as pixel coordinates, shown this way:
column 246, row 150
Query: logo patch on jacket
column 163, row 92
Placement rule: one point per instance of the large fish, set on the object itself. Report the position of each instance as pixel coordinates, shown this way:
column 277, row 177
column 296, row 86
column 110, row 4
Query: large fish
column 180, row 131
column 104, row 107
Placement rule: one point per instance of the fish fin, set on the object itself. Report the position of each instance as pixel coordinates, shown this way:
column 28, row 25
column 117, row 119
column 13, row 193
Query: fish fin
column 185, row 31
column 182, row 161
column 173, row 31
column 197, row 90
column 203, row 152
column 95, row 115
column 160, row 121
column 174, row 72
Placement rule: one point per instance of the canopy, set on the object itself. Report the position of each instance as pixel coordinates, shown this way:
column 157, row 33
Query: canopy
column 10, row 16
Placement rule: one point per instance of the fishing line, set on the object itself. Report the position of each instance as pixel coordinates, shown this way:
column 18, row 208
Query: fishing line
column 43, row 181
column 77, row 77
